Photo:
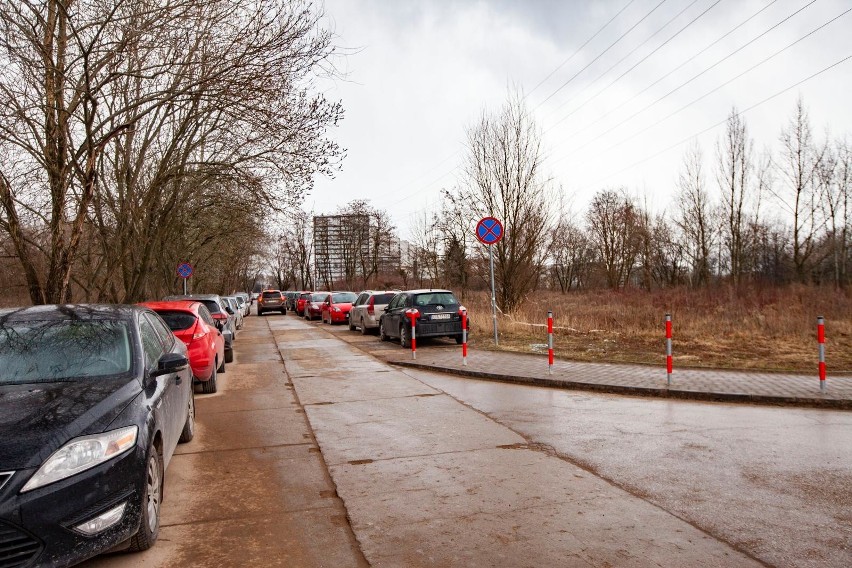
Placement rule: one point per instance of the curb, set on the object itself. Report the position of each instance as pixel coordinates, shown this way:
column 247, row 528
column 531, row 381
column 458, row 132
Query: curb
column 742, row 398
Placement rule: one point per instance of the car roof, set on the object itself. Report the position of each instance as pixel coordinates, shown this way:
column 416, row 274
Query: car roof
column 193, row 297
column 427, row 291
column 179, row 305
column 60, row 312
column 373, row 292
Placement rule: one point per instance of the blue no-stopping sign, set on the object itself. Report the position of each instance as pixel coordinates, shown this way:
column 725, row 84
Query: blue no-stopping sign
column 184, row 270
column 489, row 230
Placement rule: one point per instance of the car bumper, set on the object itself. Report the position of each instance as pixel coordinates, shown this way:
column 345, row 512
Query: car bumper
column 43, row 520
column 201, row 364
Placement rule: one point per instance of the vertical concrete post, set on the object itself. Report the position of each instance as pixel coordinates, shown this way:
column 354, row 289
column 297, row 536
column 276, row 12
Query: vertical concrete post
column 464, row 336
column 821, row 339
column 669, row 350
column 550, row 342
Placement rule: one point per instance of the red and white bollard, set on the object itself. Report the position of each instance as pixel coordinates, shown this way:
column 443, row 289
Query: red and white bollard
column 669, row 349
column 821, row 340
column 549, row 342
column 413, row 314
column 464, row 335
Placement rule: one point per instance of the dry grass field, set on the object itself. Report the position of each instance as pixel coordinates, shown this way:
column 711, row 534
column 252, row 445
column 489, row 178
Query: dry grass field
column 758, row 329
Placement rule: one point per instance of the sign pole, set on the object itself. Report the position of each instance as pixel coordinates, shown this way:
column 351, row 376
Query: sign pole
column 489, row 231
column 493, row 300
column 184, row 286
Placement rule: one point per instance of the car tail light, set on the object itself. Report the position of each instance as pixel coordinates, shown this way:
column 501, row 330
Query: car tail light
column 371, row 307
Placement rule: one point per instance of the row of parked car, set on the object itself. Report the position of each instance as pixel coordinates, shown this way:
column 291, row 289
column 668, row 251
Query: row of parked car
column 93, row 402
column 437, row 313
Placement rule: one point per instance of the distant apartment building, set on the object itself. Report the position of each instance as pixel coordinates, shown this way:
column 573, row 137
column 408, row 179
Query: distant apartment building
column 350, row 247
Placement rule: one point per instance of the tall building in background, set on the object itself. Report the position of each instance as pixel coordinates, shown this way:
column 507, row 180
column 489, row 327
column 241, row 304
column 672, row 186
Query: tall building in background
column 348, row 247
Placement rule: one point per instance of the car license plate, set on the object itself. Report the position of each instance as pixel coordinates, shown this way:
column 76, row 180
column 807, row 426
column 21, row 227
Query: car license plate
column 441, row 316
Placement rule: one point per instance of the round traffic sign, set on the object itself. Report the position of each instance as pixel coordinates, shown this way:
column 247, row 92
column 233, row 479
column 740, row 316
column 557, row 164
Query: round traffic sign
column 184, row 270
column 489, row 230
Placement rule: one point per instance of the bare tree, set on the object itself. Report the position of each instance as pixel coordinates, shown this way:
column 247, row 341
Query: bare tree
column 504, row 180
column 120, row 114
column 834, row 177
column 734, row 168
column 570, row 254
column 798, row 194
column 615, row 230
column 694, row 217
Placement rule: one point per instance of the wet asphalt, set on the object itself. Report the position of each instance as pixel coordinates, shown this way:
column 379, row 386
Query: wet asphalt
column 315, row 452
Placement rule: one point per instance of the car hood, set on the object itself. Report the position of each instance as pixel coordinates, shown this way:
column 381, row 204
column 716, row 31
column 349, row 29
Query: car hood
column 37, row 419
column 345, row 306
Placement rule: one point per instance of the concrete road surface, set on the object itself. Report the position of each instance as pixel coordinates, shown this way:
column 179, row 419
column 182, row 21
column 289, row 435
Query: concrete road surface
column 418, row 469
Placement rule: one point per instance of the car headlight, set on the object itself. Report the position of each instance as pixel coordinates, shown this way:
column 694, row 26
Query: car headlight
column 81, row 454
column 314, row 306
column 336, row 309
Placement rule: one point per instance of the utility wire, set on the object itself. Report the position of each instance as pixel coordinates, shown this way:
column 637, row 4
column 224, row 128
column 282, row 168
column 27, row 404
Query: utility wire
column 601, row 54
column 752, row 68
column 685, row 63
column 579, row 49
column 628, row 54
column 721, row 122
column 638, row 63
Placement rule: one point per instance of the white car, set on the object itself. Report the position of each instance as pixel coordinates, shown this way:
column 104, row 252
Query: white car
column 368, row 308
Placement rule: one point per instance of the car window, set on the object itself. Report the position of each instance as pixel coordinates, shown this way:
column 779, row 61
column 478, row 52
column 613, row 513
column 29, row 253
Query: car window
column 152, row 346
column 177, row 320
column 362, row 299
column 398, row 301
column 434, row 299
column 343, row 297
column 306, row 296
column 382, row 298
column 205, row 315
column 213, row 306
column 319, row 297
column 38, row 351
column 163, row 331
column 271, row 294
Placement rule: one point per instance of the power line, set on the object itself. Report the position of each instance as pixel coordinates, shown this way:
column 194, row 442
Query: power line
column 601, row 54
column 725, row 58
column 659, row 47
column 716, row 125
column 752, row 68
column 579, row 49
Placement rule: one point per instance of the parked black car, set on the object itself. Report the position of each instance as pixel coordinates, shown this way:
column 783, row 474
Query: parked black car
column 93, row 401
column 439, row 316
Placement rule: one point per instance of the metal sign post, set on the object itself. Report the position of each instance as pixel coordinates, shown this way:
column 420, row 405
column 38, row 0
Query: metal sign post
column 184, row 270
column 489, row 231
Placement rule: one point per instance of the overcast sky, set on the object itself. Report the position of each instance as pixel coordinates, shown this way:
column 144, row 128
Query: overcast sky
column 421, row 72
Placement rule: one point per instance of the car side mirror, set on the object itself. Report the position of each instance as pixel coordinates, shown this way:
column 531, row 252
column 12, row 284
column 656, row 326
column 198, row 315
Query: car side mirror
column 170, row 363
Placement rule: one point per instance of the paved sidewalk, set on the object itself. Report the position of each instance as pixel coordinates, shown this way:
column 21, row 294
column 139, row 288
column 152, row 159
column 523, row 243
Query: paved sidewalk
column 696, row 384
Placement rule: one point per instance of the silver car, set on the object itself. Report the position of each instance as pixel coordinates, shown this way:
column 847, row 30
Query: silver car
column 368, row 308
column 236, row 310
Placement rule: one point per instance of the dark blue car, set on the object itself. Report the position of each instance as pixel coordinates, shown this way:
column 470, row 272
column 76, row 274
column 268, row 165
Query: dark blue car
column 93, row 401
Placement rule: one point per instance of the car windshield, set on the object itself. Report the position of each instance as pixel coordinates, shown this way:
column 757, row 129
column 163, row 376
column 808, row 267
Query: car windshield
column 176, row 320
column 46, row 351
column 271, row 295
column 319, row 296
column 435, row 298
column 344, row 297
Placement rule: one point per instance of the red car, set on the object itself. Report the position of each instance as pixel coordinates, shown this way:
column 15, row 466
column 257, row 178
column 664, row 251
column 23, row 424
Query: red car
column 336, row 307
column 304, row 298
column 192, row 323
column 313, row 305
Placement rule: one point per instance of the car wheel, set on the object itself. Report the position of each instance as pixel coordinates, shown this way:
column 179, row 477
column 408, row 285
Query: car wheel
column 306, row 314
column 229, row 355
column 284, row 312
column 220, row 368
column 188, row 431
column 382, row 335
column 149, row 527
column 404, row 338
column 364, row 330
column 459, row 339
column 209, row 386
column 351, row 325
